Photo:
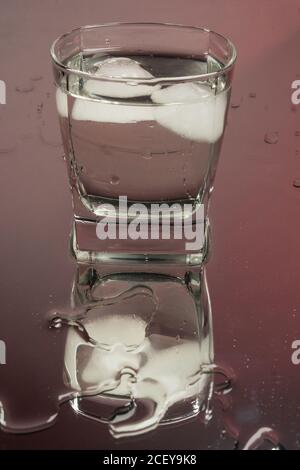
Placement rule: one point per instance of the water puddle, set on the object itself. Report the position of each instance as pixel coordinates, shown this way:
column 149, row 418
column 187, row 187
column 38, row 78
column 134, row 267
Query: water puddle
column 131, row 351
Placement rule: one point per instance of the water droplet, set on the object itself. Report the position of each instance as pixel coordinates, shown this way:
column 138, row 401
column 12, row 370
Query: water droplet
column 36, row 78
column 236, row 102
column 7, row 148
column 271, row 137
column 252, row 94
column 261, row 438
column 296, row 183
column 114, row 180
column 26, row 87
column 56, row 322
column 297, row 133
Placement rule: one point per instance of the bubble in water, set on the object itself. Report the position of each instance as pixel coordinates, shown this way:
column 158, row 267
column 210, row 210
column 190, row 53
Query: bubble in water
column 114, row 180
column 147, row 156
column 271, row 137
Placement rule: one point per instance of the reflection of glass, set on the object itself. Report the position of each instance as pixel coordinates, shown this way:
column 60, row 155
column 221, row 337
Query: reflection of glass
column 142, row 110
column 139, row 348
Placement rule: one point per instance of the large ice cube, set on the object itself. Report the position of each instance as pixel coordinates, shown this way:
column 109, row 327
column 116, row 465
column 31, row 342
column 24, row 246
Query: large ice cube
column 97, row 111
column 61, row 103
column 162, row 370
column 119, row 67
column 191, row 110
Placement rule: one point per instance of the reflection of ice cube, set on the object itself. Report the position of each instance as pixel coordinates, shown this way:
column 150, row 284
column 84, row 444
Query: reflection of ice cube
column 119, row 67
column 192, row 111
column 162, row 369
column 85, row 110
column 145, row 344
column 116, row 329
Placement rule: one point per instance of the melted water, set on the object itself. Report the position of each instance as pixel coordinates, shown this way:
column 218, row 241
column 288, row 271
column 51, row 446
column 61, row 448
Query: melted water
column 137, row 353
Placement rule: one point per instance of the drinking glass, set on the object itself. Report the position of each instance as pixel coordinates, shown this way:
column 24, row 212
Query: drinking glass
column 142, row 110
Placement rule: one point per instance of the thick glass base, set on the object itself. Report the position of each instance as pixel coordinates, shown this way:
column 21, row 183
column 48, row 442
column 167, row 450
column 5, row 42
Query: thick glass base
column 87, row 248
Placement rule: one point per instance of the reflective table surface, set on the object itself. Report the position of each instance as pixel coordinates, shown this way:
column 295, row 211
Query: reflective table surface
column 253, row 271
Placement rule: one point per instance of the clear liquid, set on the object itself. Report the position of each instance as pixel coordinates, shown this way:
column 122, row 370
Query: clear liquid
column 132, row 147
column 150, row 143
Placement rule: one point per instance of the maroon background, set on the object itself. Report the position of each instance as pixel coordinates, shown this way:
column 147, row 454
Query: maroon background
column 254, row 270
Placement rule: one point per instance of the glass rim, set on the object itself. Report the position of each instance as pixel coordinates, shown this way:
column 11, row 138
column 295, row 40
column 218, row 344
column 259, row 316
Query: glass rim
column 150, row 80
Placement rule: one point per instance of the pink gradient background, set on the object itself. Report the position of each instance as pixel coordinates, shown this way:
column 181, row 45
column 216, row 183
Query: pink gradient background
column 254, row 271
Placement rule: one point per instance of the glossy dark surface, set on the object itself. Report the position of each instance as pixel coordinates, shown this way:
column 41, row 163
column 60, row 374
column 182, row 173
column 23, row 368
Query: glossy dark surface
column 253, row 273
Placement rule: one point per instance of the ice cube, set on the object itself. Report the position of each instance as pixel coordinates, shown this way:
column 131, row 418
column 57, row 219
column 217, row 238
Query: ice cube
column 61, row 103
column 191, row 110
column 119, row 67
column 85, row 110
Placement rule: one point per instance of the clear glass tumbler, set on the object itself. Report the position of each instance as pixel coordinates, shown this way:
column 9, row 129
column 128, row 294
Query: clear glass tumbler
column 142, row 111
